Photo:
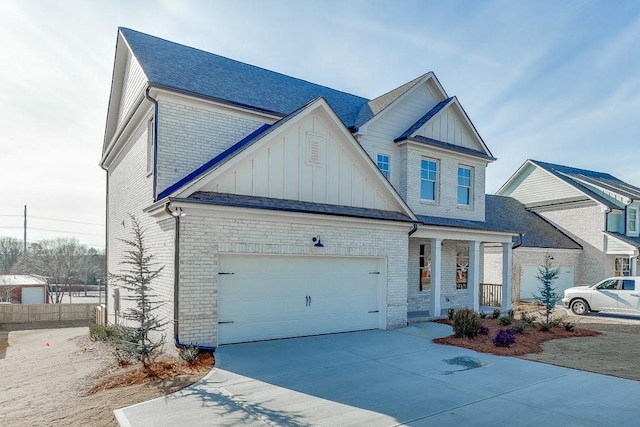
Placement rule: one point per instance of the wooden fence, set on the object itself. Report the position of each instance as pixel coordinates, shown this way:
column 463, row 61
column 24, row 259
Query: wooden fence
column 31, row 313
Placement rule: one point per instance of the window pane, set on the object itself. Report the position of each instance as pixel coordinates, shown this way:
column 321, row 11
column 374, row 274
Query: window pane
column 463, row 196
column 427, row 190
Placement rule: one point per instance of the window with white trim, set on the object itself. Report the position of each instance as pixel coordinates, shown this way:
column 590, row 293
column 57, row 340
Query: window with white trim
column 464, row 186
column 623, row 267
column 429, row 180
column 632, row 215
column 425, row 267
column 383, row 164
column 462, row 266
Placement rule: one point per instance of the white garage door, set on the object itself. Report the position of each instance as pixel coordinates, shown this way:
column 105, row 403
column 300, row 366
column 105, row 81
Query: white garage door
column 530, row 284
column 33, row 295
column 263, row 297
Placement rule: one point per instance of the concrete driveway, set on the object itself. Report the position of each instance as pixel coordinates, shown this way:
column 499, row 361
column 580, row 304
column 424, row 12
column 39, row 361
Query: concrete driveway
column 387, row 378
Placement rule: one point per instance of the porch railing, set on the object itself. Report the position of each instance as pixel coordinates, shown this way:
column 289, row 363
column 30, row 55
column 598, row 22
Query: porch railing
column 490, row 294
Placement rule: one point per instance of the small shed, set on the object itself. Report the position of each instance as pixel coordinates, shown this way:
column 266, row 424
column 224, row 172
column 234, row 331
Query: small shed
column 23, row 289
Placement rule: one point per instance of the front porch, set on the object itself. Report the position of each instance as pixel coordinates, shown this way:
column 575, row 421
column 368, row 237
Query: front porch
column 445, row 271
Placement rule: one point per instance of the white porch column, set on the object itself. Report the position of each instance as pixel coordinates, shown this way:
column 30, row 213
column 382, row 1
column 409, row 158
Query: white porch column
column 473, row 276
column 634, row 265
column 436, row 274
column 507, row 267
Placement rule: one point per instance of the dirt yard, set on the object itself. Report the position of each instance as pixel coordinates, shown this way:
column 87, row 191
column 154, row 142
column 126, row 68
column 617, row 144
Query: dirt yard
column 45, row 375
column 610, row 353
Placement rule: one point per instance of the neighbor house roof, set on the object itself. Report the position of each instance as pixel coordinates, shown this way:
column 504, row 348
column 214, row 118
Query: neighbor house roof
column 536, row 231
column 253, row 202
column 21, row 280
column 583, row 180
column 193, row 71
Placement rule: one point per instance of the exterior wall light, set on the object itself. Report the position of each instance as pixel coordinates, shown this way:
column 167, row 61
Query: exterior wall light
column 318, row 243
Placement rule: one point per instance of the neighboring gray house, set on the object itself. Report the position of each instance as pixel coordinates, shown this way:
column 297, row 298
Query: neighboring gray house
column 537, row 237
column 595, row 210
column 283, row 208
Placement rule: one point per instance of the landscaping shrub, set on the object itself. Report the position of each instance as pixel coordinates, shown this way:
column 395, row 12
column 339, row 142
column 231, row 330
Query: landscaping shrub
column 511, row 313
column 484, row 329
column 450, row 313
column 569, row 326
column 529, row 319
column 483, row 315
column 522, row 328
column 496, row 313
column 504, row 338
column 466, row 323
column 103, row 332
column 505, row 320
column 189, row 353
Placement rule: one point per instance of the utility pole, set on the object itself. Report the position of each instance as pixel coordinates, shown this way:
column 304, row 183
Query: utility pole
column 25, row 229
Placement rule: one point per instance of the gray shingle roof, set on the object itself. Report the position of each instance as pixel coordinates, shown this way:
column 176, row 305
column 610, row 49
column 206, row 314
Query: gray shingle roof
column 463, row 223
column 452, row 147
column 197, row 72
column 234, row 200
column 536, row 231
column 572, row 176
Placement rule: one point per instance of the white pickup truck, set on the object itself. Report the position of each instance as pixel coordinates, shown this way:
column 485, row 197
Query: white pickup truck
column 620, row 294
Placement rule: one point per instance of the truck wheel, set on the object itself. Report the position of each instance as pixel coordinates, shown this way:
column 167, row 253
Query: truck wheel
column 579, row 307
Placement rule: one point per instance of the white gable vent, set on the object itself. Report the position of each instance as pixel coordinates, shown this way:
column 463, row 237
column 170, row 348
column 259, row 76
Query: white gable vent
column 315, row 149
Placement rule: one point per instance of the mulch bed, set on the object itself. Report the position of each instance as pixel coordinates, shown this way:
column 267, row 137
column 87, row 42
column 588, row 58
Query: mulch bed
column 528, row 342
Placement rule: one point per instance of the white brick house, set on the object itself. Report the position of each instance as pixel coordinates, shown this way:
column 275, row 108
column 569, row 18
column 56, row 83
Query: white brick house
column 597, row 211
column 283, row 208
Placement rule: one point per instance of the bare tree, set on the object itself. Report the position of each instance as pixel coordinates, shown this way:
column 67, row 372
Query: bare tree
column 6, row 290
column 61, row 261
column 10, row 249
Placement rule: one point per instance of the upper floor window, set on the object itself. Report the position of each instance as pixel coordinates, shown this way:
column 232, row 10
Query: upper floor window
column 383, row 164
column 464, row 186
column 633, row 220
column 428, row 180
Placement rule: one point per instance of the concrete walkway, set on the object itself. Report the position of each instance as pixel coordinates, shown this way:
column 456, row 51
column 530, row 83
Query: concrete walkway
column 388, row 378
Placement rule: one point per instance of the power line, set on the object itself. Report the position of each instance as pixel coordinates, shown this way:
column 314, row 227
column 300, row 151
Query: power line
column 63, row 231
column 65, row 220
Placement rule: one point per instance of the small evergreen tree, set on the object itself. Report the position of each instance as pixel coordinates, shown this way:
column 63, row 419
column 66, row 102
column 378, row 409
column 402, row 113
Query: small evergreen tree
column 138, row 273
column 548, row 296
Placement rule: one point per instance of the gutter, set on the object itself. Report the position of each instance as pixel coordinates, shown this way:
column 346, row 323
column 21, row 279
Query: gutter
column 415, row 228
column 176, row 284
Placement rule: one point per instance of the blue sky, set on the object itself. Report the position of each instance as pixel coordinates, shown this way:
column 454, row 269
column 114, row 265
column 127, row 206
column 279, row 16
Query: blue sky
column 548, row 80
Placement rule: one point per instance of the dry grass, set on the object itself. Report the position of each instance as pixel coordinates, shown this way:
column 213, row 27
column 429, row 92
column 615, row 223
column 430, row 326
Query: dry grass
column 526, row 343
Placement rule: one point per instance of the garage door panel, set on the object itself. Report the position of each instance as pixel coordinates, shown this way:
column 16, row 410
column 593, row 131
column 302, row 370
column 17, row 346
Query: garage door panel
column 530, row 284
column 266, row 296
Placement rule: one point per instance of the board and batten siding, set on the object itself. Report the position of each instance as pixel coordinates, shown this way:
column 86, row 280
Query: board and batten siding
column 282, row 169
column 540, row 186
column 393, row 122
column 449, row 126
column 132, row 86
